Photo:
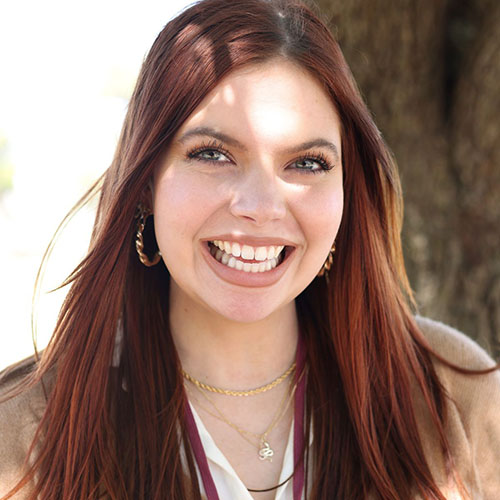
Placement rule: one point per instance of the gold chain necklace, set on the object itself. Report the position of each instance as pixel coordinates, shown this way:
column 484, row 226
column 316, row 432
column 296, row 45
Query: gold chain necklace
column 250, row 392
column 264, row 449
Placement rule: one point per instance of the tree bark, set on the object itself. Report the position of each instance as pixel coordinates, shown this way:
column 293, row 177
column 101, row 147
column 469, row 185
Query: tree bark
column 428, row 71
column 475, row 163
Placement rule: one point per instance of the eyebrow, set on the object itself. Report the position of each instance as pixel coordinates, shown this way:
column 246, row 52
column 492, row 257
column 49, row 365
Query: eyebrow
column 210, row 132
column 231, row 141
column 315, row 143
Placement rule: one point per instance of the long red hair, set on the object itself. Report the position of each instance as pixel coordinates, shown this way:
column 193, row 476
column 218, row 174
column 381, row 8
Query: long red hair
column 118, row 430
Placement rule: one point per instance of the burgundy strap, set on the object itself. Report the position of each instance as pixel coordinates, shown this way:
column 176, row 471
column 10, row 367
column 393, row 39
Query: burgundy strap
column 298, row 434
column 298, row 422
column 199, row 454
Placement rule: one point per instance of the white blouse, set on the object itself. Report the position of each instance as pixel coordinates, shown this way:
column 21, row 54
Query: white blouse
column 229, row 485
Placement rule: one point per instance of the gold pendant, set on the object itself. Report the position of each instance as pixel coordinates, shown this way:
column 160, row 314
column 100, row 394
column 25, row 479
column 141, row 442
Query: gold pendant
column 265, row 452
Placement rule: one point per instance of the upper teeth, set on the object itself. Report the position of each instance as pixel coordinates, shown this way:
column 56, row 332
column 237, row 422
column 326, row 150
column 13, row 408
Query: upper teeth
column 247, row 252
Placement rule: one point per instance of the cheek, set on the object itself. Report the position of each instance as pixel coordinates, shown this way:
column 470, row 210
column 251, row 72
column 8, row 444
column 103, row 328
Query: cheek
column 320, row 217
column 182, row 203
column 172, row 211
column 173, row 195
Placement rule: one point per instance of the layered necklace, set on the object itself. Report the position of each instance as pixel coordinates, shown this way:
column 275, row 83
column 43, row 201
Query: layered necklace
column 265, row 451
column 250, row 392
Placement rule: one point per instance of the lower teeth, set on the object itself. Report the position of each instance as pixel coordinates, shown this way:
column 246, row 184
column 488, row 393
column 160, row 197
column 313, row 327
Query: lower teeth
column 233, row 262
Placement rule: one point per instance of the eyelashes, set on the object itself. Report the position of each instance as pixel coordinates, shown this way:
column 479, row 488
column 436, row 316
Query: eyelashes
column 213, row 152
column 207, row 152
column 308, row 159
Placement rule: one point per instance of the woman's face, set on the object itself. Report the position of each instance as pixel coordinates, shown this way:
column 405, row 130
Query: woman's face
column 248, row 199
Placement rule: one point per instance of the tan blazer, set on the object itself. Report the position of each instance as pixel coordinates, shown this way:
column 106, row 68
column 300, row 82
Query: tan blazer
column 473, row 427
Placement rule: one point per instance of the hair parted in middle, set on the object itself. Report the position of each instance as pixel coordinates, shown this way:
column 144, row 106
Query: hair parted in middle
column 365, row 353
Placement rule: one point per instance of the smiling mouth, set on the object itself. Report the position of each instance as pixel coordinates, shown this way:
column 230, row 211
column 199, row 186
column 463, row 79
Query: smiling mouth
column 246, row 258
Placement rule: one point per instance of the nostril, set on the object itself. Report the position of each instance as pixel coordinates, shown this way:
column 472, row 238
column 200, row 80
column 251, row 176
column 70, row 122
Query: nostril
column 260, row 204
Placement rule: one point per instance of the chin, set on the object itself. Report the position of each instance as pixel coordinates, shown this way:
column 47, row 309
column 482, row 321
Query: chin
column 245, row 311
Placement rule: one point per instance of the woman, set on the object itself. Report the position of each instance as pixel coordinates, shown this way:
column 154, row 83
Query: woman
column 240, row 327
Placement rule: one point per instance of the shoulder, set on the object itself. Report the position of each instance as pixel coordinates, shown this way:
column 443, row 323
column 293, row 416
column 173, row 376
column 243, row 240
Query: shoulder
column 453, row 345
column 20, row 414
column 473, row 413
column 460, row 350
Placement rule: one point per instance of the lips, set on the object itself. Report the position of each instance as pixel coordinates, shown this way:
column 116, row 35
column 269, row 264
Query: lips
column 248, row 272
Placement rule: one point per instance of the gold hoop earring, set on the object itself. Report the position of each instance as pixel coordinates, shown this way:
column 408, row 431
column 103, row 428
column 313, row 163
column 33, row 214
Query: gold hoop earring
column 143, row 214
column 328, row 262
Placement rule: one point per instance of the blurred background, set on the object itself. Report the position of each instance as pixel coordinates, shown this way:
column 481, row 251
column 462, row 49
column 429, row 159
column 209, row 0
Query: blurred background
column 68, row 69
column 429, row 70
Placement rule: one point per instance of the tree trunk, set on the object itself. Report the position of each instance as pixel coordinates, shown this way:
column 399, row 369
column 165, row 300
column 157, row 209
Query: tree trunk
column 429, row 71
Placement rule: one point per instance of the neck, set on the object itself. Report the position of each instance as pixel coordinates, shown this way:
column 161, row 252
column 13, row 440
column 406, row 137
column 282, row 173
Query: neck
column 230, row 354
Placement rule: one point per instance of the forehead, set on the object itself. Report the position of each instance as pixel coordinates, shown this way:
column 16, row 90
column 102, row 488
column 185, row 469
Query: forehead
column 277, row 99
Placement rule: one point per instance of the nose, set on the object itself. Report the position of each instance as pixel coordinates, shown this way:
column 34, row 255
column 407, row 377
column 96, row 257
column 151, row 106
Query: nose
column 258, row 197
